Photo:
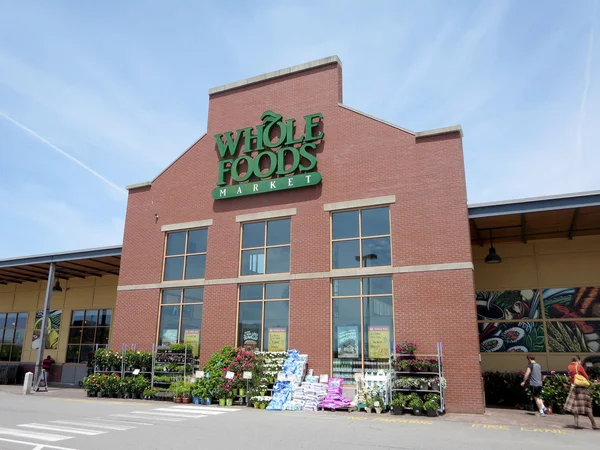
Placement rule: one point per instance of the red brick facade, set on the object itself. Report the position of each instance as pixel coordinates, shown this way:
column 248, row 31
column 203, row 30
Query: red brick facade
column 360, row 157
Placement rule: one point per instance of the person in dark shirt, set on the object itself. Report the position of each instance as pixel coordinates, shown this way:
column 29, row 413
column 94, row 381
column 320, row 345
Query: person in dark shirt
column 534, row 375
column 47, row 364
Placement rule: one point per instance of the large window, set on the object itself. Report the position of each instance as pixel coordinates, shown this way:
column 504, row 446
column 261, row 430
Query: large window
column 563, row 320
column 88, row 328
column 185, row 256
column 265, row 247
column 181, row 317
column 263, row 321
column 363, row 325
column 12, row 334
column 361, row 238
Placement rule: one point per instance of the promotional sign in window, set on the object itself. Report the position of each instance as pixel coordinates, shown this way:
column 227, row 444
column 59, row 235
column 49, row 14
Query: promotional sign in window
column 277, row 339
column 192, row 339
column 169, row 336
column 379, row 342
column 347, row 342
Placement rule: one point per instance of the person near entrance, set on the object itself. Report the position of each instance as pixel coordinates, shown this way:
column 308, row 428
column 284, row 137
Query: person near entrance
column 46, row 366
column 579, row 401
column 534, row 375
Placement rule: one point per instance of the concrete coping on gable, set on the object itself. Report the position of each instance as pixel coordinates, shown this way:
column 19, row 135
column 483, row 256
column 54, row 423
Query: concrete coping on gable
column 438, row 131
column 138, row 185
column 276, row 74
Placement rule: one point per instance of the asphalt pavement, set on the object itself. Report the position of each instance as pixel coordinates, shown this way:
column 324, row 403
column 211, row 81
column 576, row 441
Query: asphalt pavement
column 39, row 422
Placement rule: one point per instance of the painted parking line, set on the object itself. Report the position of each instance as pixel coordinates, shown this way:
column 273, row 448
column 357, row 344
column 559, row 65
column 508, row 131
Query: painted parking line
column 61, row 429
column 138, row 417
column 93, row 425
column 33, row 435
column 518, row 428
column 36, row 445
column 384, row 419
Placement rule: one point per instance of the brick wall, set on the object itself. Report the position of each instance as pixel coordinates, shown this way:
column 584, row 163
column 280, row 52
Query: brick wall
column 359, row 158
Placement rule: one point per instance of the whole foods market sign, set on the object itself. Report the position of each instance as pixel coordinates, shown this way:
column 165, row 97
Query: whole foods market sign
column 267, row 157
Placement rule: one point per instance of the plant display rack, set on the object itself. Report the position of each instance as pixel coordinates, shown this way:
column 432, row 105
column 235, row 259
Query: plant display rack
column 395, row 375
column 164, row 357
column 123, row 370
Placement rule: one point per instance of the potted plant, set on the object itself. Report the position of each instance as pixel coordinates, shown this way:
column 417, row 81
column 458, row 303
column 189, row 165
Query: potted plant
column 406, row 348
column 432, row 404
column 398, row 404
column 369, row 404
column 378, row 403
column 416, row 404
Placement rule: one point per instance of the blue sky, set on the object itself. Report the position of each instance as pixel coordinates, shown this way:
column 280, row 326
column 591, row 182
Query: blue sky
column 98, row 95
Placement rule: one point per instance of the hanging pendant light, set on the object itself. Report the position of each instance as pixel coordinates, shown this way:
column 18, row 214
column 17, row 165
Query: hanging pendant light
column 492, row 257
column 57, row 287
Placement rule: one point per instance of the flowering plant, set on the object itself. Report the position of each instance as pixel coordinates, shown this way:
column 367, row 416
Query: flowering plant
column 406, row 348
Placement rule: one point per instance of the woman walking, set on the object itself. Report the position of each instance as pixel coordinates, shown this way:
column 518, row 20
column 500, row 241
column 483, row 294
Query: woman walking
column 579, row 401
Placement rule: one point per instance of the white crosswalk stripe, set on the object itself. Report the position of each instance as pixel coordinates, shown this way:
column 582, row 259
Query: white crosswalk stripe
column 134, row 416
column 62, row 429
column 94, row 425
column 168, row 414
column 205, row 408
column 191, row 412
column 33, row 435
column 120, row 421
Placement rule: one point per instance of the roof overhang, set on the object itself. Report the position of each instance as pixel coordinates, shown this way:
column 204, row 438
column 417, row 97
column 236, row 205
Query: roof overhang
column 76, row 264
column 565, row 216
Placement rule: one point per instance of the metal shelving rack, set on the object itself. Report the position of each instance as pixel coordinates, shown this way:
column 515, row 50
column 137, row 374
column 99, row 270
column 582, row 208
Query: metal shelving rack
column 394, row 375
column 176, row 375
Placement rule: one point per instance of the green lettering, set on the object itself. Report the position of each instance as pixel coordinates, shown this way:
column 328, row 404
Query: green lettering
column 224, row 167
column 310, row 126
column 267, row 134
column 291, row 130
column 235, row 173
column 249, row 137
column 229, row 146
column 272, row 167
column 281, row 160
column 312, row 159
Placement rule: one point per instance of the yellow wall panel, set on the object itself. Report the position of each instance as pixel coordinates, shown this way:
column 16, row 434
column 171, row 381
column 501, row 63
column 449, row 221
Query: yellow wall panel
column 6, row 302
column 107, row 280
column 27, row 286
column 79, row 282
column 569, row 270
column 512, row 273
column 79, row 298
column 105, row 296
column 26, row 301
column 6, row 288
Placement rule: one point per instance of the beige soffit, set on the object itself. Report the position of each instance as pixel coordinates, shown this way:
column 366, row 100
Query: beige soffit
column 276, row 74
column 303, row 276
column 388, row 199
column 266, row 215
column 187, row 225
column 438, row 131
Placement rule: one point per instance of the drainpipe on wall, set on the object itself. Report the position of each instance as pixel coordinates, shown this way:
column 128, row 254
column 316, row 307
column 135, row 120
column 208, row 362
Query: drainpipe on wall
column 42, row 347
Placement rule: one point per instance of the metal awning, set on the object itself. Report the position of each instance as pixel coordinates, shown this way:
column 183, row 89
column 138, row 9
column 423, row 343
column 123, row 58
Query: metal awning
column 76, row 264
column 563, row 216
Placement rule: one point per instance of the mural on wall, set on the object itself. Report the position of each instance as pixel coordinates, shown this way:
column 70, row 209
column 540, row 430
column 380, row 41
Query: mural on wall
column 572, row 303
column 52, row 330
column 511, row 337
column 508, row 305
column 574, row 336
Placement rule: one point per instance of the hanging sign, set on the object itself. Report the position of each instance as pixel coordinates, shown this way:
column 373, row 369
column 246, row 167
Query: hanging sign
column 247, row 375
column 268, row 157
column 379, row 342
column 192, row 339
column 347, row 342
column 229, row 375
column 277, row 340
